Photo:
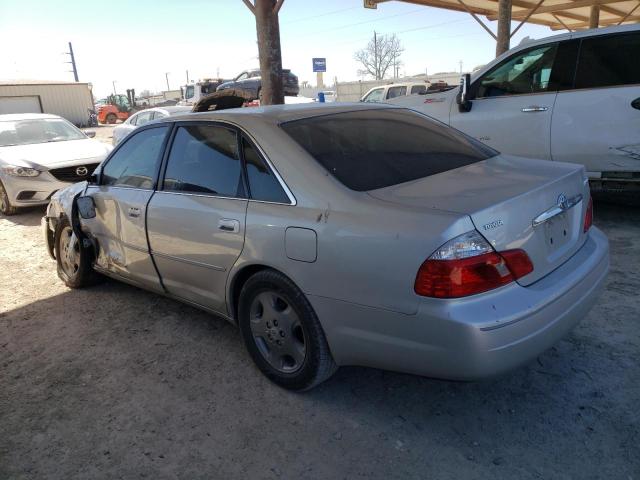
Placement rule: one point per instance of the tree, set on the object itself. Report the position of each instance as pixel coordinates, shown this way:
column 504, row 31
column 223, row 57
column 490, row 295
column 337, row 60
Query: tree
column 268, row 30
column 381, row 52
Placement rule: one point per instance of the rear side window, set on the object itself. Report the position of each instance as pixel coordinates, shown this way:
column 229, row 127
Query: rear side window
column 263, row 184
column 204, row 159
column 608, row 61
column 418, row 89
column 135, row 163
column 371, row 149
column 394, row 92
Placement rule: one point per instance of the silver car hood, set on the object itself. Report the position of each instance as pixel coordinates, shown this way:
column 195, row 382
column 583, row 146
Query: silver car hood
column 54, row 154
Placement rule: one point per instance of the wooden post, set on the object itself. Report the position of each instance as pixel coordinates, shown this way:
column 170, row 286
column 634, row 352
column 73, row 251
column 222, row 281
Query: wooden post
column 594, row 17
column 504, row 26
column 268, row 30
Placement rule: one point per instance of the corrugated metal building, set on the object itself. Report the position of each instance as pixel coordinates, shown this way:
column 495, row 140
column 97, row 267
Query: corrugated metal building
column 69, row 100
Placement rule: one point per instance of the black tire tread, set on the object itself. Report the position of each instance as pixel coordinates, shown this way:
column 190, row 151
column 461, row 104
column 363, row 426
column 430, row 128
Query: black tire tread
column 85, row 276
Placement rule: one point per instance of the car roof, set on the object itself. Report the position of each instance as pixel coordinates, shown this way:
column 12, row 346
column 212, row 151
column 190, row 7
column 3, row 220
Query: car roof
column 12, row 117
column 280, row 113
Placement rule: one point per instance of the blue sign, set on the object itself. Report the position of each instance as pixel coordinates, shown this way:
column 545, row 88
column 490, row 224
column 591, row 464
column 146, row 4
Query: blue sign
column 319, row 64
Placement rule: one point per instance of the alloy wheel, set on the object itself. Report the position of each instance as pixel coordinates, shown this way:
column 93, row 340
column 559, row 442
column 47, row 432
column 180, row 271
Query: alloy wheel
column 69, row 252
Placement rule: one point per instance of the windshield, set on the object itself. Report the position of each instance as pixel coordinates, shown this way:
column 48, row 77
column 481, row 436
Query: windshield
column 371, row 149
column 25, row 132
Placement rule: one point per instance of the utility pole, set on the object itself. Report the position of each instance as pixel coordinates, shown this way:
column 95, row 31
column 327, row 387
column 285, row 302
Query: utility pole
column 73, row 62
column 166, row 75
column 114, row 86
column 187, row 77
column 460, row 62
column 375, row 54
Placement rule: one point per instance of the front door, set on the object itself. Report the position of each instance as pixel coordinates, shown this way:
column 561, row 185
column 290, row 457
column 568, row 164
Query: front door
column 597, row 122
column 127, row 181
column 196, row 220
column 513, row 104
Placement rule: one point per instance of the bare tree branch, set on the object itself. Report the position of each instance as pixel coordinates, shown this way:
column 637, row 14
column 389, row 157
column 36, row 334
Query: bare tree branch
column 278, row 6
column 250, row 6
column 381, row 52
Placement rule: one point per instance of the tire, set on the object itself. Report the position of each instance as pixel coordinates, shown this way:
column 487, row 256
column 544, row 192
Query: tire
column 6, row 208
column 111, row 118
column 259, row 95
column 74, row 270
column 282, row 332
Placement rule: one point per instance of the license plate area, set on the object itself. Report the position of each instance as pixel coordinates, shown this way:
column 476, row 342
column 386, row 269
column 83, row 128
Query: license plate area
column 557, row 232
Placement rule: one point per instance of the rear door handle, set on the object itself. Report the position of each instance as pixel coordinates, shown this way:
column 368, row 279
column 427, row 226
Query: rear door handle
column 535, row 108
column 134, row 212
column 636, row 103
column 229, row 225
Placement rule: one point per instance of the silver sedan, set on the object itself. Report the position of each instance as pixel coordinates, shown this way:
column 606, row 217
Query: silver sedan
column 143, row 117
column 342, row 235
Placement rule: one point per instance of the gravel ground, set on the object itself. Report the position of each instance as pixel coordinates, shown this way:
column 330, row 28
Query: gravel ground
column 114, row 382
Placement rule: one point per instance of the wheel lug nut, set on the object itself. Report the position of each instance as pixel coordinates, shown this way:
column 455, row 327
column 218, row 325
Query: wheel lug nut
column 281, row 333
column 268, row 325
column 275, row 323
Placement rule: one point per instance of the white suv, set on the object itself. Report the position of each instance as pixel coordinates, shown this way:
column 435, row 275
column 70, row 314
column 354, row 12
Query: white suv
column 571, row 98
column 393, row 90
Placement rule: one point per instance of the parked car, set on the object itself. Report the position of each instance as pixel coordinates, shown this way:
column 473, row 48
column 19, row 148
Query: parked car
column 569, row 98
column 393, row 90
column 142, row 117
column 343, row 234
column 39, row 154
column 251, row 81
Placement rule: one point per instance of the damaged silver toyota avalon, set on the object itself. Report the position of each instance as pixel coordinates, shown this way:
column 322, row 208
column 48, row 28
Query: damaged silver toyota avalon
column 341, row 235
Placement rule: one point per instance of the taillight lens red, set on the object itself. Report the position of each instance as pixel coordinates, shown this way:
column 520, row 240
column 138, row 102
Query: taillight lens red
column 468, row 276
column 588, row 216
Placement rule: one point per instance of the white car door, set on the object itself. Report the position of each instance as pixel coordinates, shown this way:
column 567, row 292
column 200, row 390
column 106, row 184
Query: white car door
column 513, row 104
column 597, row 122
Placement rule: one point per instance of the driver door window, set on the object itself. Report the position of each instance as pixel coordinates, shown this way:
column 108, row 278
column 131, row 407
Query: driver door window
column 374, row 96
column 524, row 73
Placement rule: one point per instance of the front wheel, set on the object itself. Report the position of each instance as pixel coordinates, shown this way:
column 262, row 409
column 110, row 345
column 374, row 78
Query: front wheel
column 282, row 333
column 111, row 118
column 74, row 260
column 5, row 205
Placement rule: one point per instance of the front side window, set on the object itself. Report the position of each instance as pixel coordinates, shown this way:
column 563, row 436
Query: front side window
column 377, row 148
column 135, row 163
column 263, row 184
column 204, row 159
column 374, row 95
column 525, row 72
column 608, row 61
column 242, row 76
column 144, row 117
column 418, row 89
column 396, row 92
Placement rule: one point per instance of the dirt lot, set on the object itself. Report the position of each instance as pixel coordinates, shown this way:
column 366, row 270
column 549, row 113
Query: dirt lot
column 113, row 382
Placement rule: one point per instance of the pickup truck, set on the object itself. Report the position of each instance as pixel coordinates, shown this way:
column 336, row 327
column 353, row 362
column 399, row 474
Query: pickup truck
column 572, row 98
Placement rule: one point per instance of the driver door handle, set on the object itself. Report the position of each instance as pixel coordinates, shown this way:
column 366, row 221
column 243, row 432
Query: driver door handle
column 535, row 108
column 229, row 225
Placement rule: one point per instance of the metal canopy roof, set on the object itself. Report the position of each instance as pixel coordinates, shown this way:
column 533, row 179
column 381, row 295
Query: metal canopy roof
column 556, row 14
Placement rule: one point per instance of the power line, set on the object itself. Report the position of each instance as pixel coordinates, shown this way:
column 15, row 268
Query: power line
column 313, row 17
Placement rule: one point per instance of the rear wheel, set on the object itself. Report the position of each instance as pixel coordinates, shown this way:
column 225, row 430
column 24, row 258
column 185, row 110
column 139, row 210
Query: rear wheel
column 282, row 332
column 74, row 260
column 5, row 205
column 111, row 118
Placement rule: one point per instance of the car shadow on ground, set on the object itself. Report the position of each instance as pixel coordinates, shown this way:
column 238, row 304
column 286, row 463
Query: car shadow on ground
column 27, row 216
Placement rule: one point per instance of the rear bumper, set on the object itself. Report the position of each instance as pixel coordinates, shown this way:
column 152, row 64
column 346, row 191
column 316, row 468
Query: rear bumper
column 475, row 337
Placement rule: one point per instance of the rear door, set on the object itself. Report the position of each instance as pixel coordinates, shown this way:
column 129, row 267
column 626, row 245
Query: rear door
column 196, row 220
column 127, row 181
column 596, row 121
column 513, row 104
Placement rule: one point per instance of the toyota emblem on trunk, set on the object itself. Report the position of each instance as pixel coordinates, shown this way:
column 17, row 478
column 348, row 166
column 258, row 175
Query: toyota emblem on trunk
column 81, row 171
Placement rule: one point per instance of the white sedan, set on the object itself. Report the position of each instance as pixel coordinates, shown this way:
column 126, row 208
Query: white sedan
column 145, row 116
column 40, row 154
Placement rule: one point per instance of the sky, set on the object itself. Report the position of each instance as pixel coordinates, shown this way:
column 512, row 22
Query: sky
column 135, row 43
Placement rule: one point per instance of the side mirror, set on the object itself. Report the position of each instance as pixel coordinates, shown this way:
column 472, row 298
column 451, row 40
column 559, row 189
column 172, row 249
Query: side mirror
column 89, row 133
column 94, row 179
column 86, row 207
column 463, row 98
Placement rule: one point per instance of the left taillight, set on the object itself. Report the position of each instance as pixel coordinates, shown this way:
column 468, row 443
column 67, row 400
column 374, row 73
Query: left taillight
column 588, row 216
column 467, row 265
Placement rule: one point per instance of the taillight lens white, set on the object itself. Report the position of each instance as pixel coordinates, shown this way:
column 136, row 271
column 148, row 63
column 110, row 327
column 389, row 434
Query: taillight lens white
column 467, row 265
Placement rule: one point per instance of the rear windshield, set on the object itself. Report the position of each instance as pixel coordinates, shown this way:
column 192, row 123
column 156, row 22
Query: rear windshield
column 371, row 149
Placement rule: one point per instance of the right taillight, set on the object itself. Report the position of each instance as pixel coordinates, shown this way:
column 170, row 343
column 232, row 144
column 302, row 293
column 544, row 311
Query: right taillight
column 588, row 216
column 468, row 265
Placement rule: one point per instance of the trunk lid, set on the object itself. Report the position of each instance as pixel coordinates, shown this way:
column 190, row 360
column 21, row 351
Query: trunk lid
column 504, row 195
